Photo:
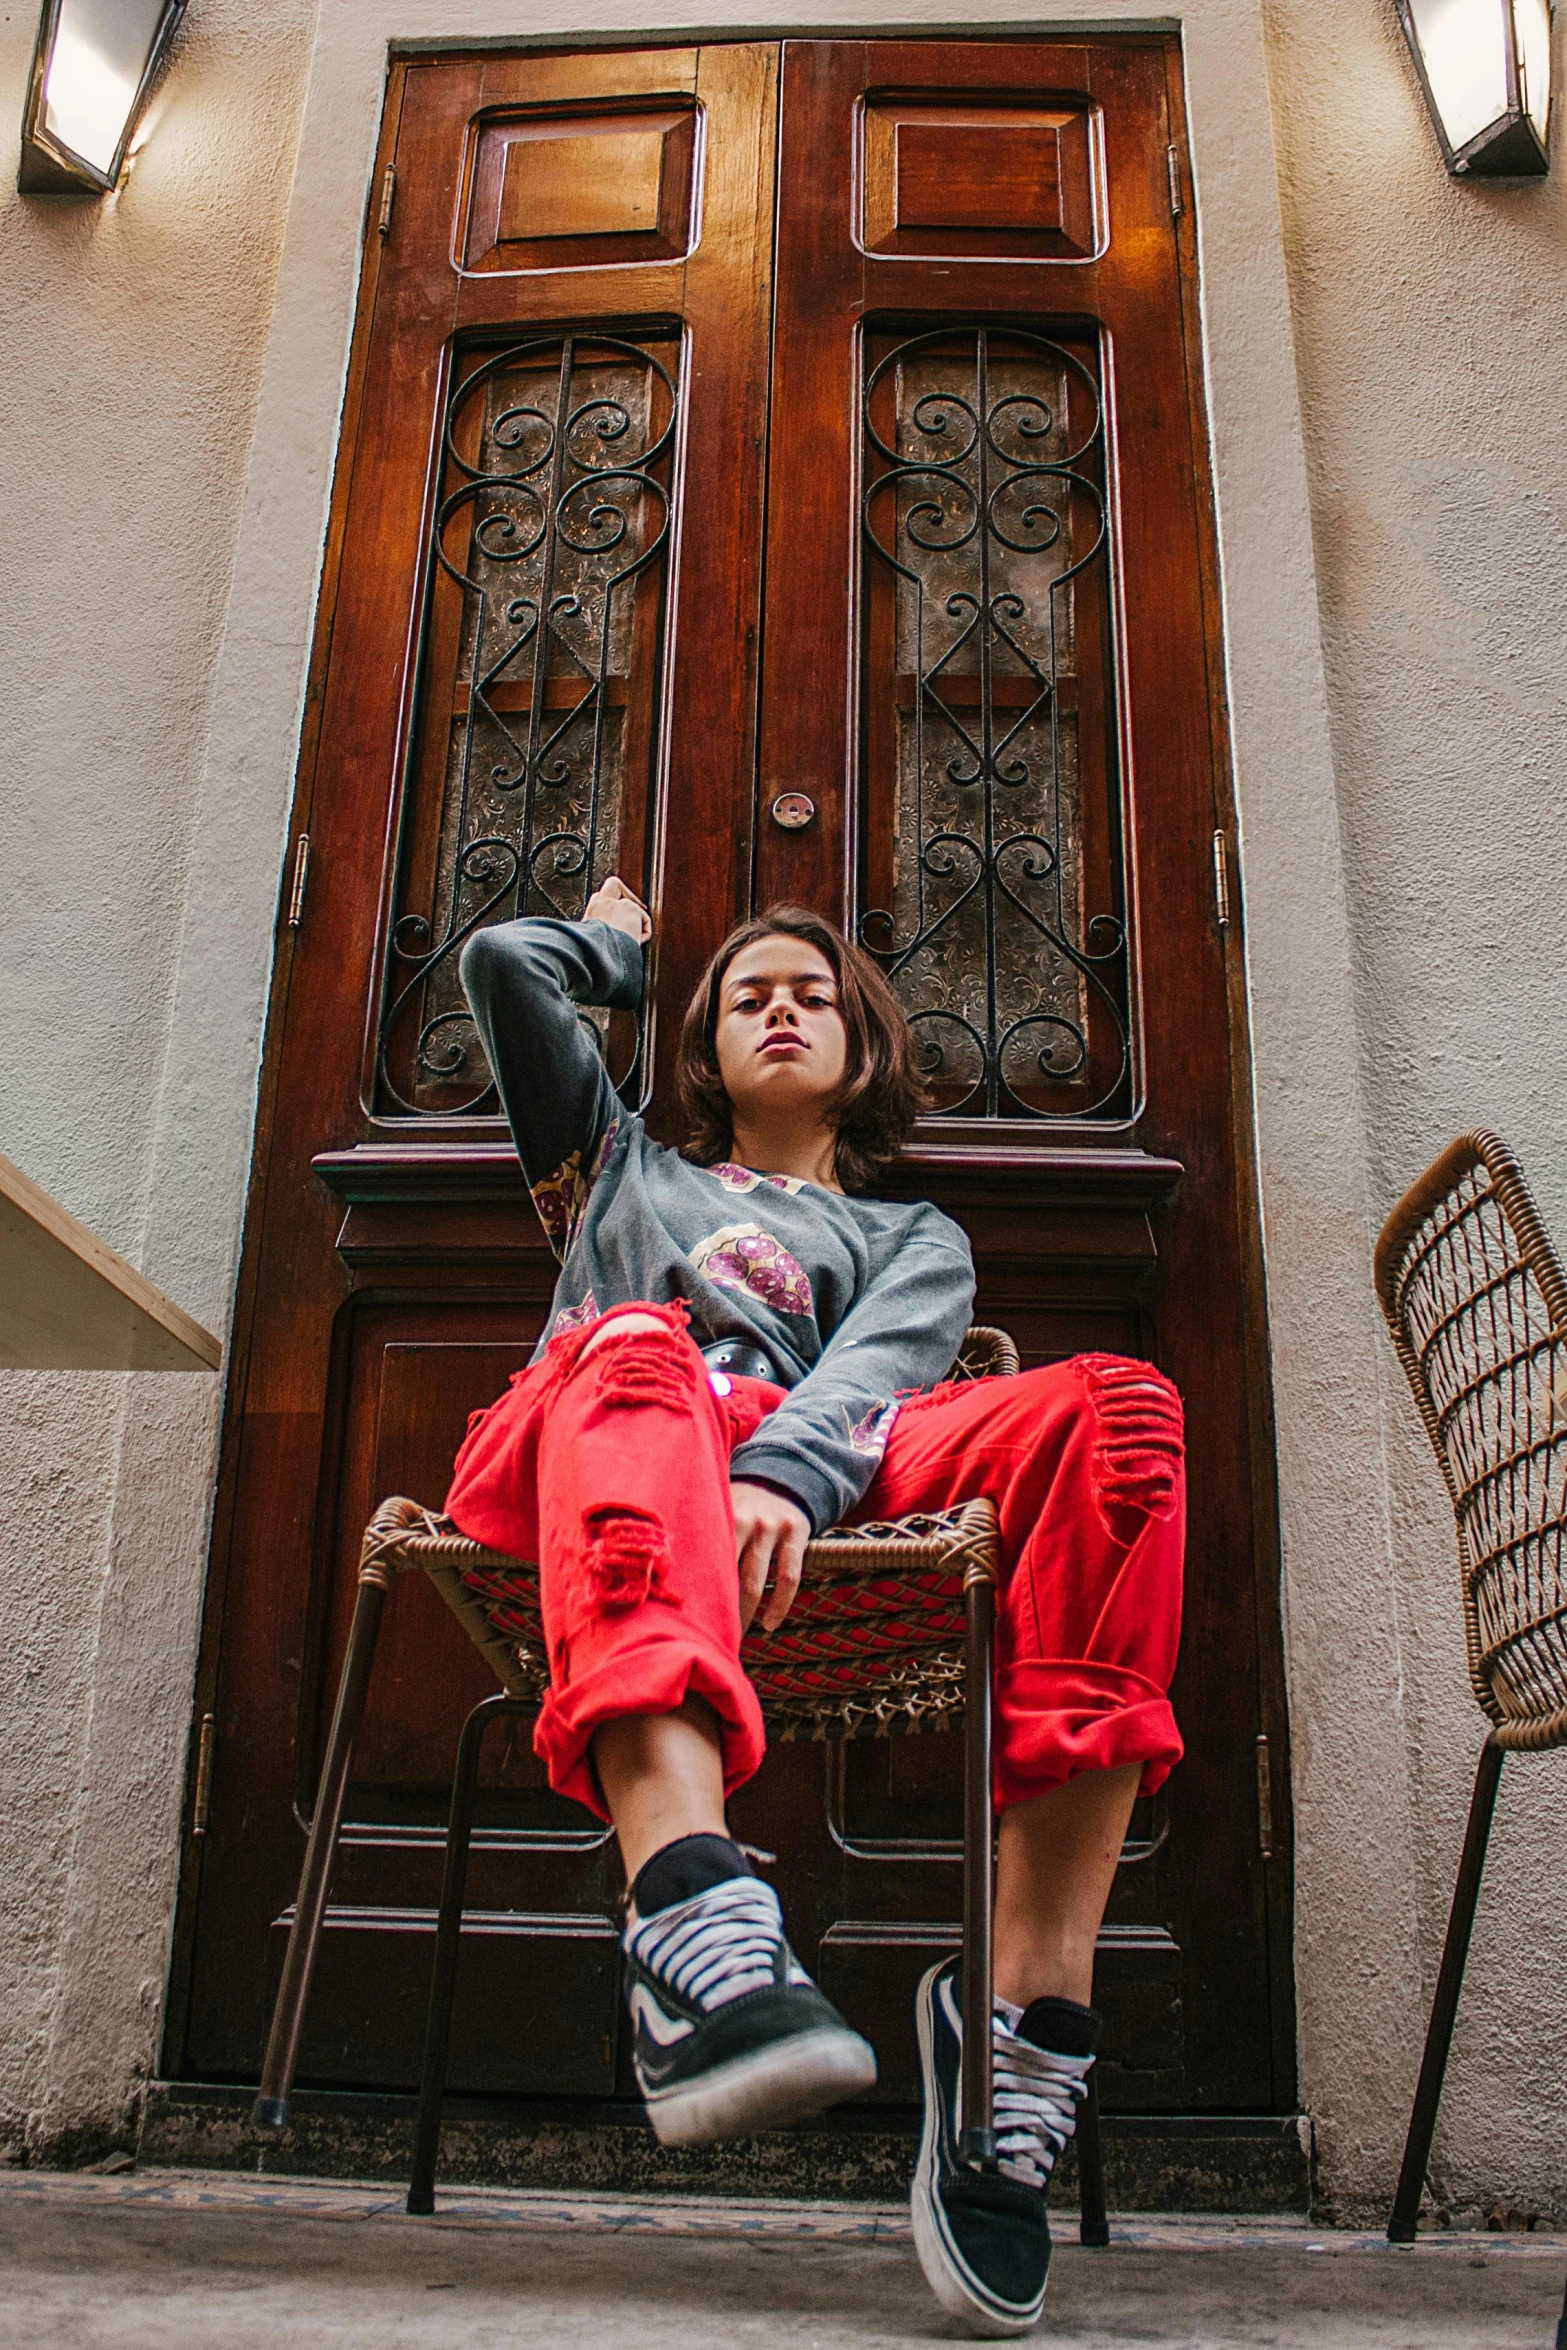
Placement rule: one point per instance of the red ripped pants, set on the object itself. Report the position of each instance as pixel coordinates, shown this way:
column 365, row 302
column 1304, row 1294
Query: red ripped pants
column 613, row 1472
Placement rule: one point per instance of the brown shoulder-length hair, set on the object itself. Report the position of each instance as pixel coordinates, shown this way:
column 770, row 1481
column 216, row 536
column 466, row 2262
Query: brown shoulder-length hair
column 882, row 1093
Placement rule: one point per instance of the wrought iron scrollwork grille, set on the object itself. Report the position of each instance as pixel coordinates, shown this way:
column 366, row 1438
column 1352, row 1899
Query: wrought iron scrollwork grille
column 539, row 691
column 993, row 890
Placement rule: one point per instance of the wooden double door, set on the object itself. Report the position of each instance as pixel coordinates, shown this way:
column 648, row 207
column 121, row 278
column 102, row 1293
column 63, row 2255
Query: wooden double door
column 769, row 471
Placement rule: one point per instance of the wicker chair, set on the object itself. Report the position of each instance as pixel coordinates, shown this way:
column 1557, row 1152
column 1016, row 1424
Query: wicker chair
column 893, row 1628
column 1476, row 1301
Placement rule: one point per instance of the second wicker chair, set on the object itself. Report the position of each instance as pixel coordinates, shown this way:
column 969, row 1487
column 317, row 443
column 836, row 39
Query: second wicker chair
column 1475, row 1298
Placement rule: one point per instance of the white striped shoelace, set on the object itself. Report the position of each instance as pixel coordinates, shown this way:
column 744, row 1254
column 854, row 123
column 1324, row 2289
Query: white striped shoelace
column 1037, row 2093
column 717, row 1946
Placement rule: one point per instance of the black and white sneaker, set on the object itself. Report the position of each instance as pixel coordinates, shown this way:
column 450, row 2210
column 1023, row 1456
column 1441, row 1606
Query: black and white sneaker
column 983, row 2236
column 731, row 2033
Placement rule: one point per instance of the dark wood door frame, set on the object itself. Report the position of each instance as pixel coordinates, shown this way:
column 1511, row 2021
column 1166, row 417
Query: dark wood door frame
column 371, row 1207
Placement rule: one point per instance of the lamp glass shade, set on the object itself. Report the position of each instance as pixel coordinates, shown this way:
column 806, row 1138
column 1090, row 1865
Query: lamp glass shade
column 1485, row 66
column 1533, row 21
column 1463, row 48
column 91, row 71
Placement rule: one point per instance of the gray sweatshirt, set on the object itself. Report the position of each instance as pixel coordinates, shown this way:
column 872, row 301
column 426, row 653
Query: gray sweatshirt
column 857, row 1301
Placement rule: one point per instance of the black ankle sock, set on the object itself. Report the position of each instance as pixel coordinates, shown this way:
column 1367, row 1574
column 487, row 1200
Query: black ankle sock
column 1061, row 2025
column 679, row 1871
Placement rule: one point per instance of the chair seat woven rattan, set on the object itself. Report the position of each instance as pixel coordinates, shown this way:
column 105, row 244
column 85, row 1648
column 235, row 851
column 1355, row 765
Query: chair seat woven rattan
column 892, row 1629
column 1476, row 1302
column 873, row 1642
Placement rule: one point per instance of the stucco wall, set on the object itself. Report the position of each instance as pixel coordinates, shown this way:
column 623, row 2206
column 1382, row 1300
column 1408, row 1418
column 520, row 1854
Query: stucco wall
column 1392, row 1001
column 1431, row 341
column 132, row 334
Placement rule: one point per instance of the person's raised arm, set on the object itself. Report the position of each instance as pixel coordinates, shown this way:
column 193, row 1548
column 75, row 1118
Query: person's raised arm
column 525, row 982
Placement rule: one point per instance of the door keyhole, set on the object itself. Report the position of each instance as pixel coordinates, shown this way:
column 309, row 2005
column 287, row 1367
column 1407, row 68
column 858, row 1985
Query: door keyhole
column 793, row 811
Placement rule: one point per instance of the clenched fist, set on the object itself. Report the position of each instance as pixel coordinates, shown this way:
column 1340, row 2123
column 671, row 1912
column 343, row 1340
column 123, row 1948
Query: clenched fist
column 613, row 903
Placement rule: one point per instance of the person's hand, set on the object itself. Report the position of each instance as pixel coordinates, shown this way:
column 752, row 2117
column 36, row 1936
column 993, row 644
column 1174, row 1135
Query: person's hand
column 770, row 1536
column 613, row 903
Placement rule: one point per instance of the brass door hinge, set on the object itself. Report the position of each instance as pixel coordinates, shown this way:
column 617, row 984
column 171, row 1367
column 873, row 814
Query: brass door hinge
column 203, row 1802
column 1264, row 1799
column 1177, row 201
column 388, row 199
column 296, row 895
column 1221, row 879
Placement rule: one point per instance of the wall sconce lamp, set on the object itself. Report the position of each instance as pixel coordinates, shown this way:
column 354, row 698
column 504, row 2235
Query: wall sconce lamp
column 1485, row 67
column 93, row 67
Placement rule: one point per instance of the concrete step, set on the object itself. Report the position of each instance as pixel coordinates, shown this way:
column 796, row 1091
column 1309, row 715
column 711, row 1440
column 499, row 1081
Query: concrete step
column 1252, row 2163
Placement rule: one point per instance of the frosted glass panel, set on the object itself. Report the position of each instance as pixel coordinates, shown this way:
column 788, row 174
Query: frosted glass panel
column 991, row 879
column 1463, row 44
column 100, row 54
column 540, row 680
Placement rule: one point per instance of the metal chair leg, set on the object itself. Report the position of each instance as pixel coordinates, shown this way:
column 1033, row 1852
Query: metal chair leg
column 270, row 2111
column 448, row 1935
column 978, row 2142
column 1444, row 2007
column 1093, row 2225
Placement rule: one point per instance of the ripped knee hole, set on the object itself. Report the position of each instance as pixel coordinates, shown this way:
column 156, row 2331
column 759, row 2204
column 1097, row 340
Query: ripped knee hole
column 1140, row 1441
column 645, row 1367
column 625, row 1557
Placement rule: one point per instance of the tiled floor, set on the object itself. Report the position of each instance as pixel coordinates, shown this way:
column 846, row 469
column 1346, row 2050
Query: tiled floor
column 167, row 2260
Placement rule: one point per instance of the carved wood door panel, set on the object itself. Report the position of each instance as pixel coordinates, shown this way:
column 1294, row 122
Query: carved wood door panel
column 987, row 664
column 666, row 496
column 536, row 663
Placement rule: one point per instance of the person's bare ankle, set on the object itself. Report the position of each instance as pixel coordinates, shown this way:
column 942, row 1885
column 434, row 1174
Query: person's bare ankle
column 1065, row 1971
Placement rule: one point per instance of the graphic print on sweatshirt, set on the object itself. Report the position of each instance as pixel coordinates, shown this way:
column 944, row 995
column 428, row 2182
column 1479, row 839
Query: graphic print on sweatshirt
column 744, row 1257
column 576, row 1317
column 735, row 1178
column 869, row 1434
column 562, row 1197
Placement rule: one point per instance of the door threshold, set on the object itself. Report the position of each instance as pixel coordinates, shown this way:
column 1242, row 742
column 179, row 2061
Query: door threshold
column 1254, row 2164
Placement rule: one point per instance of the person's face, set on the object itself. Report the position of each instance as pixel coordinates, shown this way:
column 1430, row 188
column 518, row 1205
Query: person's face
column 780, row 1037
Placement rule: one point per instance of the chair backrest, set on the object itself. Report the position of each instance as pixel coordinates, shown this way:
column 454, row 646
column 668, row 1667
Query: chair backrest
column 1476, row 1301
column 986, row 1353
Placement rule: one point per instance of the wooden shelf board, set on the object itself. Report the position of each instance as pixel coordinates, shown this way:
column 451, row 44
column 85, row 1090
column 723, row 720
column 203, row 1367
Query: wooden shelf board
column 68, row 1303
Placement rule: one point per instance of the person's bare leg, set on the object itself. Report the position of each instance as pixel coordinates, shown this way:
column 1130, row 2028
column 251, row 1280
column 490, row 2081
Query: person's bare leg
column 663, row 1777
column 621, row 1325
column 1057, row 1862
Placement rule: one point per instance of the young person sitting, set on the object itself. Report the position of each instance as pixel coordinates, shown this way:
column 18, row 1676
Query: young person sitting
column 743, row 1350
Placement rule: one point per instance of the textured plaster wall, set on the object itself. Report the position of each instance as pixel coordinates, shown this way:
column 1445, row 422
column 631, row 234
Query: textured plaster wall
column 1431, row 339
column 131, row 340
column 1346, row 972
